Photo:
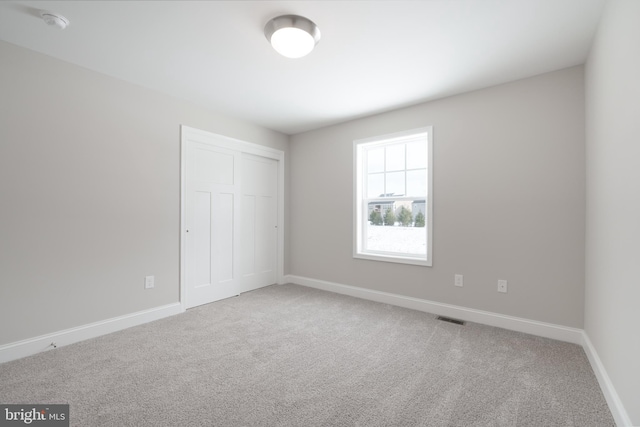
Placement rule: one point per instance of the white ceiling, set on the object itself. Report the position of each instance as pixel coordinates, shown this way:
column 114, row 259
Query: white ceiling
column 374, row 56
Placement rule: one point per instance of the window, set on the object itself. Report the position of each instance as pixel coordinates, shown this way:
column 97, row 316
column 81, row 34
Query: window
column 393, row 197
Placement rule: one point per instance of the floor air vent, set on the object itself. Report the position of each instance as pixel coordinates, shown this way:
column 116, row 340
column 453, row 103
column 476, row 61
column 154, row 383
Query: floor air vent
column 450, row 320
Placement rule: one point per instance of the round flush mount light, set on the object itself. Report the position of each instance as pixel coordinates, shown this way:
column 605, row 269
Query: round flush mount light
column 55, row 20
column 292, row 36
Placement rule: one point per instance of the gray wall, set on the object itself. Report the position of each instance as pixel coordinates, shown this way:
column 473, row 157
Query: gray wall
column 90, row 188
column 612, row 316
column 509, row 200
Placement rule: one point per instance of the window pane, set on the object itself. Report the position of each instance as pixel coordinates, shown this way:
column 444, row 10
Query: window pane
column 395, row 183
column 375, row 185
column 417, row 155
column 395, row 157
column 375, row 160
column 417, row 183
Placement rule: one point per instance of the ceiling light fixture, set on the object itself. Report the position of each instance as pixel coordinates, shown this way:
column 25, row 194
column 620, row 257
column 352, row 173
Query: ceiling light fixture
column 292, row 36
column 55, row 19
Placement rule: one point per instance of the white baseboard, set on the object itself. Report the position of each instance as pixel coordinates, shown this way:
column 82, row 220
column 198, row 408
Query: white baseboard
column 620, row 415
column 547, row 330
column 28, row 347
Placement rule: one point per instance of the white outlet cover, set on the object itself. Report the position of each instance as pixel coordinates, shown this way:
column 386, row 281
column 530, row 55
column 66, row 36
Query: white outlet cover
column 502, row 286
column 149, row 282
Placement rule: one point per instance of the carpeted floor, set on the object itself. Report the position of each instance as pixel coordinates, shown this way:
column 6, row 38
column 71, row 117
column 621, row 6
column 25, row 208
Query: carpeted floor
column 295, row 356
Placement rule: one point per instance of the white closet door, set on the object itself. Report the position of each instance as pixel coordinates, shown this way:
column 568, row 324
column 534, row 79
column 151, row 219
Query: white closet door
column 259, row 222
column 231, row 202
column 212, row 208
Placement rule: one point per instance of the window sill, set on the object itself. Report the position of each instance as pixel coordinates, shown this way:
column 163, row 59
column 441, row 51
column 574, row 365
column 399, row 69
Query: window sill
column 394, row 259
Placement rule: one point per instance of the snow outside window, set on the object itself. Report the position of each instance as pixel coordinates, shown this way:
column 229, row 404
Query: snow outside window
column 393, row 203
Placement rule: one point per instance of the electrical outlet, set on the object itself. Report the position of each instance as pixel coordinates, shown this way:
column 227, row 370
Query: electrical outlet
column 458, row 280
column 502, row 286
column 149, row 282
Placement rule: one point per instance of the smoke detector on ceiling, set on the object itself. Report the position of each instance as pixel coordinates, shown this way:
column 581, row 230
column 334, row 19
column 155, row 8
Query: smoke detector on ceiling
column 55, row 20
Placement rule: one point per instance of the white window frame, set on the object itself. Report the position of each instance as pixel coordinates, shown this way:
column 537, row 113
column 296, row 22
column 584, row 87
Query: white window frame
column 360, row 208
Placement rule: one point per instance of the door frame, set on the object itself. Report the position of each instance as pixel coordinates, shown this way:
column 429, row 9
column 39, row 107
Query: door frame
column 196, row 135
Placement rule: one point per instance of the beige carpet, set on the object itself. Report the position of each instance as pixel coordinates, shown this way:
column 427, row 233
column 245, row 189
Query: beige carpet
column 294, row 356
